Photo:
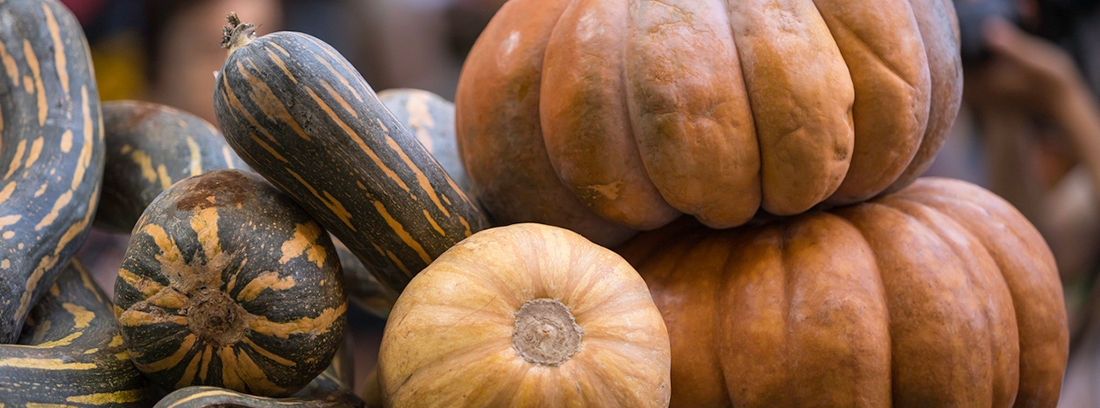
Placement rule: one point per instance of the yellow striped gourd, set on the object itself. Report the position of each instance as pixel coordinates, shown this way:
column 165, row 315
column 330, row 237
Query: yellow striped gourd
column 149, row 147
column 298, row 113
column 331, row 389
column 432, row 119
column 51, row 151
column 70, row 352
column 227, row 282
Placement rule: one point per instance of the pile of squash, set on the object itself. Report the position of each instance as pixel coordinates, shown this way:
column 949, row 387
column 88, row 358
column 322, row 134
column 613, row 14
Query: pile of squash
column 630, row 203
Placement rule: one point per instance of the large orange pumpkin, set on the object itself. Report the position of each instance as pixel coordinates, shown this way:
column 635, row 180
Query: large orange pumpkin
column 939, row 295
column 608, row 116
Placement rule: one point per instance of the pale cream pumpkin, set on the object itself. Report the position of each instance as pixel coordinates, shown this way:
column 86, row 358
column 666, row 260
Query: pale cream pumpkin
column 525, row 315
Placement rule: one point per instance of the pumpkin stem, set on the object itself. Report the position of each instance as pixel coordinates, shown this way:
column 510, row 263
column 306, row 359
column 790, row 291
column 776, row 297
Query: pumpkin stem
column 237, row 34
column 216, row 318
column 546, row 333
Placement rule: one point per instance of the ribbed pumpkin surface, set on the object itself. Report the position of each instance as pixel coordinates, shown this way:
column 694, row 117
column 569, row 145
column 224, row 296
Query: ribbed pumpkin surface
column 939, row 295
column 525, row 315
column 607, row 115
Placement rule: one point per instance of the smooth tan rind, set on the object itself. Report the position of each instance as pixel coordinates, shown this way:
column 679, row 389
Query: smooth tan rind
column 882, row 47
column 449, row 338
column 801, row 94
column 499, row 130
column 690, row 110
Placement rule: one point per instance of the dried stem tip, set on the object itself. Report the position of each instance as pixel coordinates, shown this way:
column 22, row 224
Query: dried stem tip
column 546, row 333
column 237, row 34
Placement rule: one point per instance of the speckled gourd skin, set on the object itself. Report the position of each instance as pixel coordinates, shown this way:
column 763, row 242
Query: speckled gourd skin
column 331, row 389
column 70, row 352
column 432, row 119
column 149, row 147
column 228, row 240
column 51, row 151
column 299, row 114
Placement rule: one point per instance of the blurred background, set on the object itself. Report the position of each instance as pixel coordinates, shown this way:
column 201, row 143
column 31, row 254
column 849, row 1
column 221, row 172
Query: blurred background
column 1029, row 128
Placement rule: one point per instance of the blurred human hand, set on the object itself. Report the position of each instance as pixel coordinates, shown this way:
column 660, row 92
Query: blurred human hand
column 1023, row 72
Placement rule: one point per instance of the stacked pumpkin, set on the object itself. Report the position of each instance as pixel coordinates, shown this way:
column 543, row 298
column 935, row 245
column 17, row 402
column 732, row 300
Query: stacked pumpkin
column 768, row 151
column 743, row 140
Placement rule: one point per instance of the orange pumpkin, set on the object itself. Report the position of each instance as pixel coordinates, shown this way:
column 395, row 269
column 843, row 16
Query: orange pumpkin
column 525, row 315
column 939, row 295
column 608, row 116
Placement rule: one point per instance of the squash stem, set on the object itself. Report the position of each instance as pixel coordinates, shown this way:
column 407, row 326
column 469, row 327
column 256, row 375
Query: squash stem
column 546, row 333
column 237, row 34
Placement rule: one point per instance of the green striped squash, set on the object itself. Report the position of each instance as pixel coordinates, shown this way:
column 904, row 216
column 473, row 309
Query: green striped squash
column 70, row 352
column 331, row 389
column 51, row 151
column 298, row 113
column 325, row 391
column 364, row 290
column 149, row 146
column 227, row 282
column 432, row 119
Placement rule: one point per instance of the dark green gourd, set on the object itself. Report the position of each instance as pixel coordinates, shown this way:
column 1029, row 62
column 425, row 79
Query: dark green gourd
column 149, row 147
column 432, row 119
column 331, row 389
column 70, row 352
column 227, row 282
column 300, row 115
column 325, row 391
column 51, row 151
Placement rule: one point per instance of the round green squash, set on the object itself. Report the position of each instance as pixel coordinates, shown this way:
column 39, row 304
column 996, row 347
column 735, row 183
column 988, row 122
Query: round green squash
column 227, row 282
column 70, row 352
column 51, row 151
column 149, row 146
column 298, row 113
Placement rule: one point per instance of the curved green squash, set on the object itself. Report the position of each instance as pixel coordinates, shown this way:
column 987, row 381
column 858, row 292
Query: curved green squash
column 432, row 119
column 331, row 389
column 70, row 352
column 300, row 115
column 149, row 146
column 227, row 282
column 51, row 151
column 363, row 288
column 325, row 391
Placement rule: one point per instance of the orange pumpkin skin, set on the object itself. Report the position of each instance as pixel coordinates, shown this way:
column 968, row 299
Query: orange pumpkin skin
column 617, row 115
column 460, row 335
column 941, row 294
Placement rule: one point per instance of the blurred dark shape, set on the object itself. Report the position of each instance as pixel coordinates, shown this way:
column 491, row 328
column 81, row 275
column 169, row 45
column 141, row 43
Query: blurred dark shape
column 972, row 17
column 1057, row 21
